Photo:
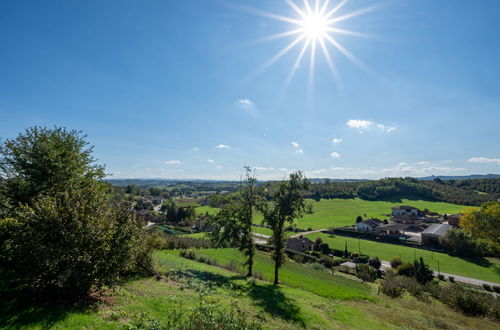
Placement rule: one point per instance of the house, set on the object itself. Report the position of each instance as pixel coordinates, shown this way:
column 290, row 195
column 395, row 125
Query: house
column 406, row 219
column 405, row 210
column 434, row 233
column 299, row 244
column 454, row 219
column 392, row 229
column 368, row 225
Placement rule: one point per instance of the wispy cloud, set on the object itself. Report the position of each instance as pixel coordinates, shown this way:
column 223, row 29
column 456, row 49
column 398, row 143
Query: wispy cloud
column 261, row 168
column 173, row 162
column 424, row 162
column 336, row 141
column 245, row 103
column 283, row 169
column 337, row 168
column 485, row 160
column 295, row 144
column 366, row 124
column 211, row 161
column 196, row 149
column 316, row 172
column 335, row 155
column 359, row 124
column 300, row 151
column 222, row 146
column 404, row 168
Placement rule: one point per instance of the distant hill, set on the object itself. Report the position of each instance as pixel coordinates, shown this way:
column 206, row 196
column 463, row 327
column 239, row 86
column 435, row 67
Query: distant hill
column 463, row 177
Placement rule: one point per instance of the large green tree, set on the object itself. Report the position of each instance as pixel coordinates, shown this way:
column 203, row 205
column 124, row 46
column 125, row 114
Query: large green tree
column 287, row 204
column 233, row 224
column 62, row 229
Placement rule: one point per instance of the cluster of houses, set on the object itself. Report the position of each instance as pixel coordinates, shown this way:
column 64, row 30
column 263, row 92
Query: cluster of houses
column 410, row 221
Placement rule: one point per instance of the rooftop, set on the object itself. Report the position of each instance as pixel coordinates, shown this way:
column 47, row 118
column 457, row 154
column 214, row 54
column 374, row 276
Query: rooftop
column 437, row 229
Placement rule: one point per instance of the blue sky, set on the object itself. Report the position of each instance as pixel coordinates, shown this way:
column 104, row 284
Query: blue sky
column 173, row 89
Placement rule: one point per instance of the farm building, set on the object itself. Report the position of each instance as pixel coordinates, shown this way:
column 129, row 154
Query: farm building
column 392, row 229
column 405, row 210
column 368, row 225
column 454, row 219
column 299, row 244
column 434, row 233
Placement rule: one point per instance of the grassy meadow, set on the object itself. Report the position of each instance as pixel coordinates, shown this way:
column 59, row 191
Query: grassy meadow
column 144, row 302
column 484, row 269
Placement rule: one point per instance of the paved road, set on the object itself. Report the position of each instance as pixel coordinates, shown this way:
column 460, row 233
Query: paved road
column 458, row 278
column 307, row 233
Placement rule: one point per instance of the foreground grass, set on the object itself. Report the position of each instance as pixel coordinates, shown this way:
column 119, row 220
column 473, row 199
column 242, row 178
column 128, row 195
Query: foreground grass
column 343, row 212
column 188, row 282
column 484, row 269
column 291, row 274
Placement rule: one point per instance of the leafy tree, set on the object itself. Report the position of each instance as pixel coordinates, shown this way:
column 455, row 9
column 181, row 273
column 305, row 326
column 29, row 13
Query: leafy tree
column 375, row 262
column 45, row 160
column 359, row 219
column 317, row 243
column 63, row 231
column 233, row 223
column 422, row 272
column 483, row 223
column 324, row 248
column 287, row 204
column 461, row 244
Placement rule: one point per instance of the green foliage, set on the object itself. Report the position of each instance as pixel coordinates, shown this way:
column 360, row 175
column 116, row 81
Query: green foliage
column 483, row 224
column 391, row 286
column 287, row 204
column 317, row 243
column 470, row 302
column 366, row 272
column 460, row 244
column 64, row 231
column 375, row 262
column 43, row 160
column 406, row 269
column 422, row 272
column 233, row 224
column 395, row 188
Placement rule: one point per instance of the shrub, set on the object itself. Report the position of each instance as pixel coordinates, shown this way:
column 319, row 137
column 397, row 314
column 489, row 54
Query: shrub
column 328, row 262
column 422, row 272
column 366, row 272
column 452, row 279
column 469, row 302
column 496, row 289
column 375, row 262
column 441, row 277
column 414, row 287
column 297, row 258
column 396, row 262
column 391, row 286
column 406, row 269
column 487, row 287
column 354, row 255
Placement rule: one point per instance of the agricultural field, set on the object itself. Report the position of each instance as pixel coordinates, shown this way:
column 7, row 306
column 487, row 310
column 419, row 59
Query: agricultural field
column 484, row 269
column 343, row 212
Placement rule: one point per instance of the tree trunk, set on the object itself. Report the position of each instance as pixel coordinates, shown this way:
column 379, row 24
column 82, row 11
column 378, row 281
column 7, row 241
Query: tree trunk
column 276, row 274
column 250, row 265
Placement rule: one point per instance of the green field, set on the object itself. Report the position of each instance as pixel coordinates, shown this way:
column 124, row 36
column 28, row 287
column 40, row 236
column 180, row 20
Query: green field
column 485, row 269
column 343, row 212
column 294, row 274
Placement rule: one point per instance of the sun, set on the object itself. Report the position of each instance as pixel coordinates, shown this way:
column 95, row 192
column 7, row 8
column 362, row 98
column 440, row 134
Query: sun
column 315, row 28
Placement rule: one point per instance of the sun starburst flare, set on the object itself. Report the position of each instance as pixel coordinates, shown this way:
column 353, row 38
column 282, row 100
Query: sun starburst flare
column 315, row 29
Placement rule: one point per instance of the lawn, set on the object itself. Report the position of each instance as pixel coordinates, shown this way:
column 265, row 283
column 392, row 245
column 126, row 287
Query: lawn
column 488, row 270
column 294, row 274
column 343, row 212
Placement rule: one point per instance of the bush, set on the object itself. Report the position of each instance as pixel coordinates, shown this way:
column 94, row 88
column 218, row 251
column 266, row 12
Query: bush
column 487, row 287
column 396, row 262
column 354, row 255
column 452, row 279
column 406, row 269
column 391, row 286
column 496, row 289
column 328, row 262
column 470, row 302
column 375, row 262
column 414, row 287
column 441, row 277
column 366, row 272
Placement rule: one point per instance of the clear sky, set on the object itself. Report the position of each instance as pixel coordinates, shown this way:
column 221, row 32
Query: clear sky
column 180, row 89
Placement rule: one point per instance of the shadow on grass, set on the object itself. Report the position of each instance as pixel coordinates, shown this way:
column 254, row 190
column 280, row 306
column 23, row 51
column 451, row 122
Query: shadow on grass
column 478, row 261
column 19, row 309
column 275, row 302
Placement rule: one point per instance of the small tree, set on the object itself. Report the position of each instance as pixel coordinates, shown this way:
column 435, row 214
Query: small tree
column 359, row 219
column 233, row 223
column 287, row 204
column 346, row 253
column 324, row 248
column 317, row 243
column 375, row 262
column 422, row 272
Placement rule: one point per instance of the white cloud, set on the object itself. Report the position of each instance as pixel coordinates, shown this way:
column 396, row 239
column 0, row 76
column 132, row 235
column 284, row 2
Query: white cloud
column 358, row 123
column 335, row 155
column 424, row 162
column 284, row 169
column 336, row 140
column 403, row 169
column 173, row 162
column 337, row 168
column 321, row 171
column 245, row 103
column 196, row 149
column 361, row 125
column 211, row 161
column 484, row 160
column 218, row 167
column 295, row 144
column 300, row 151
column 222, row 146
